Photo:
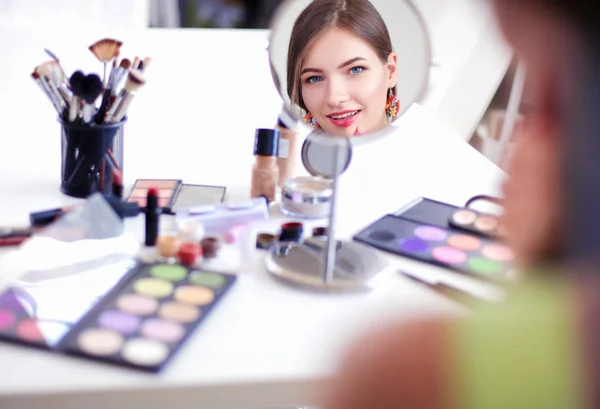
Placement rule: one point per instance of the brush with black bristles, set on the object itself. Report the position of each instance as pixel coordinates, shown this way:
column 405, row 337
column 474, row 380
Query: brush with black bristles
column 135, row 80
column 91, row 89
column 105, row 51
column 76, row 80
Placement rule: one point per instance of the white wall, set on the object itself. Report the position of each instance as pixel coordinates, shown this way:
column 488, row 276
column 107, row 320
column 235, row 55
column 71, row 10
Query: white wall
column 61, row 14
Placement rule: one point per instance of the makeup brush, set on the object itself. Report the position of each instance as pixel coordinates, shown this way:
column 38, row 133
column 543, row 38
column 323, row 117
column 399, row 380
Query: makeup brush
column 55, row 58
column 45, row 73
column 105, row 50
column 136, row 63
column 60, row 81
column 76, row 80
column 135, row 80
column 120, row 73
column 99, row 117
column 92, row 88
column 144, row 64
column 44, row 87
column 462, row 297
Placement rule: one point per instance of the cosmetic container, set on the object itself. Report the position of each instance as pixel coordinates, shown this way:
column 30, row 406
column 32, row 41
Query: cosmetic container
column 306, row 197
column 265, row 172
column 89, row 156
column 288, row 154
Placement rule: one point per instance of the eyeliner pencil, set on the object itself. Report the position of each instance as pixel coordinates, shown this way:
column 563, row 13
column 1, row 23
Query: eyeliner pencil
column 462, row 297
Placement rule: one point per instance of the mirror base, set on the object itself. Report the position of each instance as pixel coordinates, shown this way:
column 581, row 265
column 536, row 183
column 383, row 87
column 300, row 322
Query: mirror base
column 301, row 265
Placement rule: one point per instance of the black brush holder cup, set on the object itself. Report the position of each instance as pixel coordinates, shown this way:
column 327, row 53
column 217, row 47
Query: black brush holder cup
column 91, row 154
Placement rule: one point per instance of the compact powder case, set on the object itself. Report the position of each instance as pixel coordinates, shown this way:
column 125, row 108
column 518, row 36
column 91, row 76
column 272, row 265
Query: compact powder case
column 306, row 197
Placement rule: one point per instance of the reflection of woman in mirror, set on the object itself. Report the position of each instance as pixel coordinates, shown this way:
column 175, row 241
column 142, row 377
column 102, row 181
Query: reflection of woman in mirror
column 341, row 68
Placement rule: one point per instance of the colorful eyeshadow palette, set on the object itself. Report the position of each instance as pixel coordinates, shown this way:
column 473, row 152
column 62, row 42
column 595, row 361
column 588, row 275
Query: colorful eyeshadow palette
column 458, row 251
column 30, row 314
column 143, row 323
column 472, row 221
column 174, row 195
column 140, row 323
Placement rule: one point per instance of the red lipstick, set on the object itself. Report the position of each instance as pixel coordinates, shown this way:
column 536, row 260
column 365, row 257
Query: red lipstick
column 344, row 122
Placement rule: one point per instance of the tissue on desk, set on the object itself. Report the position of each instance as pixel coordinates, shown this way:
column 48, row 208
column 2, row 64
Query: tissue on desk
column 81, row 241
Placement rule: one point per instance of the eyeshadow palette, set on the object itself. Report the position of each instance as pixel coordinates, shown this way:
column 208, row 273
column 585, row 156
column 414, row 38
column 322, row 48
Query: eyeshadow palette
column 174, row 195
column 475, row 222
column 167, row 191
column 31, row 315
column 459, row 251
column 137, row 316
column 143, row 323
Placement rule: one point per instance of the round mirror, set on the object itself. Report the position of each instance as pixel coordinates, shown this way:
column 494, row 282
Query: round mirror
column 349, row 67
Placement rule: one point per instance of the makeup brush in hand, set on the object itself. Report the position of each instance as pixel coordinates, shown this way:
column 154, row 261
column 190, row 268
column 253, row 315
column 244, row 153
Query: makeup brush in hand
column 105, row 50
column 91, row 89
column 135, row 80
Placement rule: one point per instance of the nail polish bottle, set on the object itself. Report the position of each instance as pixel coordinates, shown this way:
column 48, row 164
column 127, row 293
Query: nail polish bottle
column 288, row 152
column 265, row 172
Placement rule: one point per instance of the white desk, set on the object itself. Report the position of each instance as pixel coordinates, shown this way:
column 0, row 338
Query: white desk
column 265, row 345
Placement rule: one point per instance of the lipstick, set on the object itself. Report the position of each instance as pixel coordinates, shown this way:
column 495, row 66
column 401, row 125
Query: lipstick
column 10, row 236
column 344, row 122
column 152, row 217
column 117, row 185
column 46, row 217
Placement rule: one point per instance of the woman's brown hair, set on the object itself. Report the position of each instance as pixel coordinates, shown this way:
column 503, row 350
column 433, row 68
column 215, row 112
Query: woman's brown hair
column 359, row 17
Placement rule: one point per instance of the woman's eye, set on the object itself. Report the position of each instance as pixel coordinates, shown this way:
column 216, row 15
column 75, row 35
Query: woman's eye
column 356, row 70
column 313, row 79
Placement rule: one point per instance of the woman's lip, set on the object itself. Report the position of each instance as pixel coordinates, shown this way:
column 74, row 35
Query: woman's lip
column 345, row 122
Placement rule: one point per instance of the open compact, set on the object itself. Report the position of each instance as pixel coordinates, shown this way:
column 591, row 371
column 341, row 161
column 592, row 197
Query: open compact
column 306, row 197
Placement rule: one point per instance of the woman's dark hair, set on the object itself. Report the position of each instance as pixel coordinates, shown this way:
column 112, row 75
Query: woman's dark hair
column 357, row 16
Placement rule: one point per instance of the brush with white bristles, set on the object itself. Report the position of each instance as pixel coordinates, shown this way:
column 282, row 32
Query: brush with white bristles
column 105, row 51
column 55, row 58
column 46, row 73
column 135, row 81
column 46, row 89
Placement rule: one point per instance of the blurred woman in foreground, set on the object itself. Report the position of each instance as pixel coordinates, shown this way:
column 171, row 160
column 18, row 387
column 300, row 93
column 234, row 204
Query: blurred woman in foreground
column 539, row 349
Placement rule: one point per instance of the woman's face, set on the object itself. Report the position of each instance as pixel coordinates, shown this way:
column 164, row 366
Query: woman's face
column 345, row 84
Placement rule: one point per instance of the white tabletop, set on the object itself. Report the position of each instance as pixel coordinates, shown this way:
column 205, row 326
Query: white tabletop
column 266, row 344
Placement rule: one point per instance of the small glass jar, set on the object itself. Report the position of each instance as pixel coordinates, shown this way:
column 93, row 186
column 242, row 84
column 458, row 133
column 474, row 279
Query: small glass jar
column 306, row 197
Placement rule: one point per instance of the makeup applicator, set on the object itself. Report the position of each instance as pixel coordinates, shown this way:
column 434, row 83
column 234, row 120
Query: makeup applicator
column 76, row 80
column 45, row 73
column 92, row 88
column 105, row 50
column 55, row 58
column 135, row 80
column 44, row 87
column 52, row 72
column 144, row 64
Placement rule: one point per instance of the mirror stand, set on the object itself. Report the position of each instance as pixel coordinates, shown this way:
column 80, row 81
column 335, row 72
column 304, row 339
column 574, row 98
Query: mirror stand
column 326, row 264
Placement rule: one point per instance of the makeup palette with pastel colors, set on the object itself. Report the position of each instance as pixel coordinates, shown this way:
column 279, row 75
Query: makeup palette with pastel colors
column 455, row 250
column 422, row 230
column 143, row 323
column 476, row 222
